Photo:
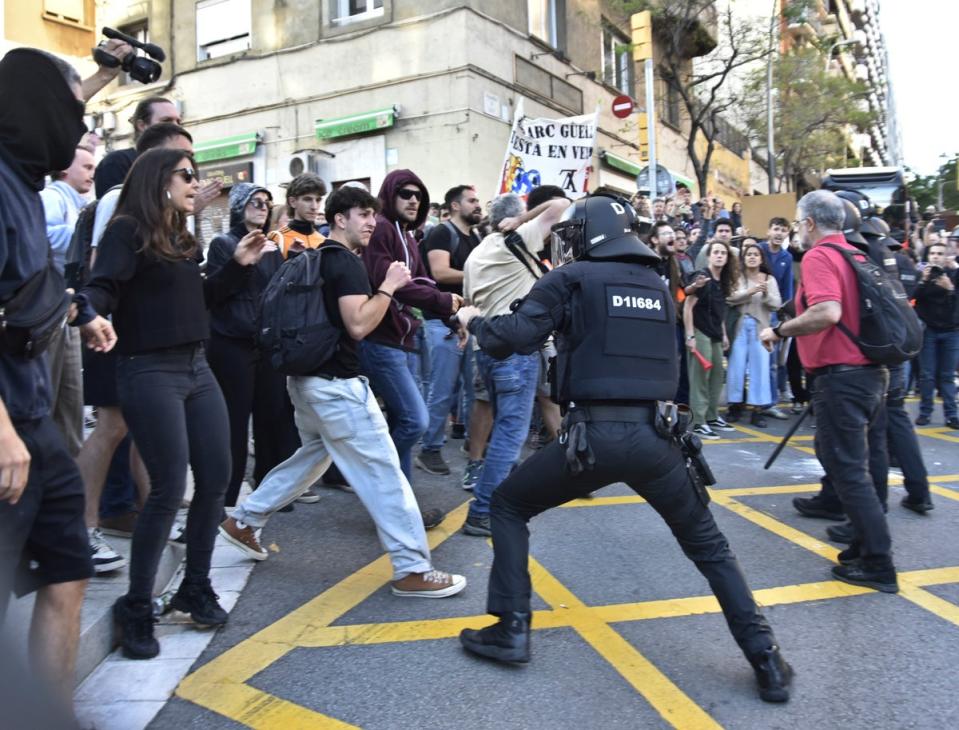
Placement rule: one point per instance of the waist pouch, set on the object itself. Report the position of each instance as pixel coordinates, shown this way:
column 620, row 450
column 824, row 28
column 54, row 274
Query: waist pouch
column 34, row 314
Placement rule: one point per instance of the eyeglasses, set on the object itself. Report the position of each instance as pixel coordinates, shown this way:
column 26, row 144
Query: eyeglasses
column 261, row 204
column 406, row 194
column 187, row 173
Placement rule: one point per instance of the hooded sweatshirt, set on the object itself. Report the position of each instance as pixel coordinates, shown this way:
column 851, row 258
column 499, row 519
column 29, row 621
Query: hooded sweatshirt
column 393, row 241
column 38, row 134
column 236, row 316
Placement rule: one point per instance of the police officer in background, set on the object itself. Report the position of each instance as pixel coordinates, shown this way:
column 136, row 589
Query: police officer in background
column 614, row 324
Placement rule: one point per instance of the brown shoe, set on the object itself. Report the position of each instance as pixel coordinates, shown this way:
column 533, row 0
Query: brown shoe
column 434, row 584
column 243, row 539
column 119, row 525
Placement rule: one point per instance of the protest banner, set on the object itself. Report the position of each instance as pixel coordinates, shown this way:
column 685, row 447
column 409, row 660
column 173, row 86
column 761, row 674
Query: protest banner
column 549, row 152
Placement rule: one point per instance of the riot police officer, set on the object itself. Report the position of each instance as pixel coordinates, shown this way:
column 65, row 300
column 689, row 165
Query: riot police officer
column 617, row 362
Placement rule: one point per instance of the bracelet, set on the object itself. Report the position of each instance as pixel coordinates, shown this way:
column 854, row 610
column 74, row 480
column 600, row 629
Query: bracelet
column 384, row 293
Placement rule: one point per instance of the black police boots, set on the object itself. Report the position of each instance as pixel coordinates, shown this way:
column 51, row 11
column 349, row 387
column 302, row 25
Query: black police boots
column 505, row 641
column 773, row 675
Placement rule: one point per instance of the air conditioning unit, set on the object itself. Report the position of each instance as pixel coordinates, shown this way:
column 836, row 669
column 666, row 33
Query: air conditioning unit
column 300, row 162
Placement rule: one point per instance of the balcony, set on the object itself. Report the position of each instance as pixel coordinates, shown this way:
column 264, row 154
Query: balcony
column 692, row 37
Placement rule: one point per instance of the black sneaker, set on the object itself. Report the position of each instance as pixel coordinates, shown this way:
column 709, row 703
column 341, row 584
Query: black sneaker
column 200, row 601
column 849, row 556
column 844, row 533
column 734, row 413
column 918, row 507
column 858, row 574
column 953, row 423
column 458, row 431
column 505, row 641
column 133, row 621
column 758, row 420
column 718, row 424
column 477, row 525
column 432, row 463
column 773, row 675
column 923, row 421
column 432, row 518
column 816, row 507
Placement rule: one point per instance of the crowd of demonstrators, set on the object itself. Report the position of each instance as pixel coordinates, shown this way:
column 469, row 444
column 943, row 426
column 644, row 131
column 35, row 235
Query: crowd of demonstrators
column 304, row 198
column 337, row 414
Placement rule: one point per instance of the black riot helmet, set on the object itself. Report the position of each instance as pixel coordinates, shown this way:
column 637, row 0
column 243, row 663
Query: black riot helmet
column 852, row 223
column 876, row 227
column 597, row 228
column 860, row 200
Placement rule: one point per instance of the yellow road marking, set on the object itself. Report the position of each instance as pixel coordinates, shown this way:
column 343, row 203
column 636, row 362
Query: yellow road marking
column 943, row 434
column 666, row 698
column 769, row 438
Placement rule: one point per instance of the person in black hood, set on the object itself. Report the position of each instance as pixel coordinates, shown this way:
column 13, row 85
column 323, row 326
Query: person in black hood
column 248, row 381
column 44, row 545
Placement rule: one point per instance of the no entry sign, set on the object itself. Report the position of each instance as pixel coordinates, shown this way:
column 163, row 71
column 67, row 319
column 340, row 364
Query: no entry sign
column 622, row 106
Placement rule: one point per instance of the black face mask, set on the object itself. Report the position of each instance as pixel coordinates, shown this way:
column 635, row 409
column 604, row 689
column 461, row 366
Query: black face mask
column 41, row 121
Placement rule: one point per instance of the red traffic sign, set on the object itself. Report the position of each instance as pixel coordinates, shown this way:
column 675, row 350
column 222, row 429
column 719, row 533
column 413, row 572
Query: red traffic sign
column 622, row 106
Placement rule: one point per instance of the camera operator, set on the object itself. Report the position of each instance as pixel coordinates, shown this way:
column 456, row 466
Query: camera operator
column 104, row 74
column 938, row 307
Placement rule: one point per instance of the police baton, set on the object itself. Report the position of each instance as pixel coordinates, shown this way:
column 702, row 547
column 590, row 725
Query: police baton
column 789, row 435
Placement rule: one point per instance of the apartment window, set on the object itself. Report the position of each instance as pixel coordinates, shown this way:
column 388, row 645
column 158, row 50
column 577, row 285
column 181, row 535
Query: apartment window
column 68, row 11
column 140, row 31
column 617, row 60
column 222, row 27
column 547, row 21
column 351, row 11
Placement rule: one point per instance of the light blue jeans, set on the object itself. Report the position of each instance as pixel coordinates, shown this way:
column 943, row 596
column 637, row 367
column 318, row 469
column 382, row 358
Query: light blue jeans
column 448, row 363
column 512, row 388
column 748, row 356
column 339, row 418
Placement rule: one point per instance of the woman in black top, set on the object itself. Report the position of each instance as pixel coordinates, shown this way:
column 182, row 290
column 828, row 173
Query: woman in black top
column 704, row 317
column 147, row 275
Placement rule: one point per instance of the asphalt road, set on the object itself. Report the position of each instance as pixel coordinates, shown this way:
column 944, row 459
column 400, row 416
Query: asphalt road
column 626, row 633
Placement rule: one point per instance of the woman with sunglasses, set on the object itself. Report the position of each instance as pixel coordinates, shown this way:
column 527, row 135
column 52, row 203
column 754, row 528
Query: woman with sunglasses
column 147, row 275
column 249, row 383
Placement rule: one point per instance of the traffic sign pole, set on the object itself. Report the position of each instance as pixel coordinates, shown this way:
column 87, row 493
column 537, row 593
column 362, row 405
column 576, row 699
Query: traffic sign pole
column 651, row 126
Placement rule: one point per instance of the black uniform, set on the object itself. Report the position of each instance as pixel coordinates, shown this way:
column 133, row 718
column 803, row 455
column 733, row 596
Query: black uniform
column 614, row 325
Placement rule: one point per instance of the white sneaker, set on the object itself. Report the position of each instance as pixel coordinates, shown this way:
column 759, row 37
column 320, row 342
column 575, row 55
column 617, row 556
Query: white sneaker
column 774, row 412
column 705, row 432
column 308, row 497
column 105, row 558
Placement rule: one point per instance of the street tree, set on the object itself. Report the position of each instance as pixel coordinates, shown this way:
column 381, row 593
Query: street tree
column 924, row 189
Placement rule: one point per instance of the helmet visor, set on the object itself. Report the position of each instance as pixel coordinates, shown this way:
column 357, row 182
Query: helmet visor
column 566, row 242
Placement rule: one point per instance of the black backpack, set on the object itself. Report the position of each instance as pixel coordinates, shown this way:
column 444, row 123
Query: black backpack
column 889, row 330
column 76, row 270
column 294, row 329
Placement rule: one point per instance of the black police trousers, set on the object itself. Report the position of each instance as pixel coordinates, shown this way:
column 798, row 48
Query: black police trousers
column 896, row 428
column 655, row 469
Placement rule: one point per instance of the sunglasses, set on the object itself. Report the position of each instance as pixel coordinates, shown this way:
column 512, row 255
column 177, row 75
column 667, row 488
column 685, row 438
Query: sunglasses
column 261, row 204
column 410, row 194
column 187, row 173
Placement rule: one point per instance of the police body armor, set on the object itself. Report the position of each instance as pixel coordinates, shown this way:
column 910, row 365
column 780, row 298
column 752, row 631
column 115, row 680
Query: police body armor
column 621, row 343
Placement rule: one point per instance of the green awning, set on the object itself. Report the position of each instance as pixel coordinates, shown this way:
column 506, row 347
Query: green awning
column 223, row 149
column 355, row 123
column 621, row 163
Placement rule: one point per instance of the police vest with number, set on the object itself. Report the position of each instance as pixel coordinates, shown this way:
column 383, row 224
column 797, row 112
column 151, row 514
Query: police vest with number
column 620, row 343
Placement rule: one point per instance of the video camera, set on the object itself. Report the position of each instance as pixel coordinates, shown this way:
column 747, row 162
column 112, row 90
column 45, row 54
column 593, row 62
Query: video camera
column 140, row 68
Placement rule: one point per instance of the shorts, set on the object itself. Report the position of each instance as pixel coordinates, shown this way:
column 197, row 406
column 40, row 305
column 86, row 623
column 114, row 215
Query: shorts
column 479, row 385
column 100, row 379
column 43, row 538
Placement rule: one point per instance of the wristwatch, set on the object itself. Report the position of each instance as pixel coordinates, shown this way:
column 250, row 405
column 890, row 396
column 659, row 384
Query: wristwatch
column 777, row 332
column 690, row 337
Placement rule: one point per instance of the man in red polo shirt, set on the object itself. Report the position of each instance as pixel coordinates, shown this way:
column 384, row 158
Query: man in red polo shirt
column 848, row 391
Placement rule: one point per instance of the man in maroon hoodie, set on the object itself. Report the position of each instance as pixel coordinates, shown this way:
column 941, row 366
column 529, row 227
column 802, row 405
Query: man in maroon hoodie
column 388, row 354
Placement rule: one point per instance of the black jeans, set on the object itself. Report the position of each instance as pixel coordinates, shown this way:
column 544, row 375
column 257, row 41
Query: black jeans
column 851, row 440
column 901, row 443
column 251, row 385
column 654, row 469
column 177, row 416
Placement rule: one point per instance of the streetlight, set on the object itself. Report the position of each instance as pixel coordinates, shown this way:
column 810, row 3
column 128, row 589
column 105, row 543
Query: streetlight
column 840, row 44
